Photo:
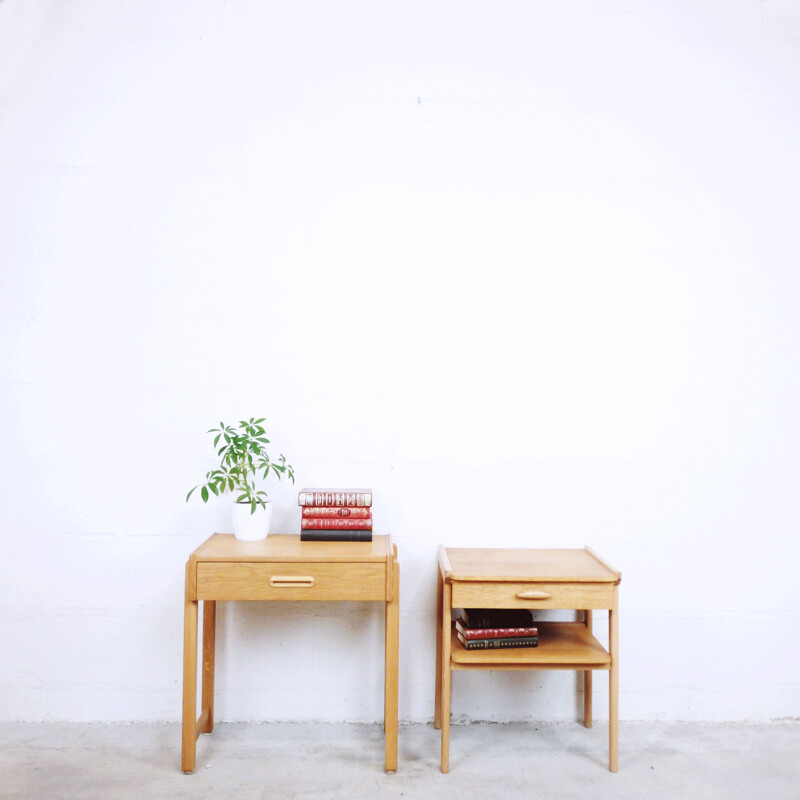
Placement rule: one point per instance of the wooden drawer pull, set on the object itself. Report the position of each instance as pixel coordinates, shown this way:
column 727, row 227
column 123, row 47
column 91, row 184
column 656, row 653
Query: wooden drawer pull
column 533, row 594
column 291, row 581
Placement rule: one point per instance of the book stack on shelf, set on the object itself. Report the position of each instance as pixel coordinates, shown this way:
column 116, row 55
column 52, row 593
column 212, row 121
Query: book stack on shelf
column 486, row 628
column 336, row 515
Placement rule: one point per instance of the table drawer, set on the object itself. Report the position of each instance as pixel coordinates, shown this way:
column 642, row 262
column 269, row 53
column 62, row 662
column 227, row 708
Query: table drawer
column 495, row 594
column 287, row 581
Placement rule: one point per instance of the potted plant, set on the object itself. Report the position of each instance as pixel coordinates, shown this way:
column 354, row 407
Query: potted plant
column 242, row 457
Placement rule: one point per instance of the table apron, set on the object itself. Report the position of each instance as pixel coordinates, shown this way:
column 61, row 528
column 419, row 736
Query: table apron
column 532, row 594
column 291, row 581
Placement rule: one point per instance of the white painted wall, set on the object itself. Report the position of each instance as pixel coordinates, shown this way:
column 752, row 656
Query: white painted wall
column 528, row 270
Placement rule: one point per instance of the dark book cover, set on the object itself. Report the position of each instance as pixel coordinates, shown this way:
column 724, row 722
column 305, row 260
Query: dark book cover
column 336, row 536
column 495, row 644
column 497, row 617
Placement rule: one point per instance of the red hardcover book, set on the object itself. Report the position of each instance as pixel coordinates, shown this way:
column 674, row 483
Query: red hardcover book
column 494, row 633
column 329, row 524
column 334, row 512
column 353, row 498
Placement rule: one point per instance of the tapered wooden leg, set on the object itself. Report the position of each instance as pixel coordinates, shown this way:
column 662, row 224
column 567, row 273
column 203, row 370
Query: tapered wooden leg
column 392, row 666
column 445, row 672
column 437, row 702
column 587, row 698
column 189, row 725
column 613, row 688
column 209, row 638
column 587, row 680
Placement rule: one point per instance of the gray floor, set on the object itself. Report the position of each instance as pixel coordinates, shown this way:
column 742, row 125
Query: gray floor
column 297, row 760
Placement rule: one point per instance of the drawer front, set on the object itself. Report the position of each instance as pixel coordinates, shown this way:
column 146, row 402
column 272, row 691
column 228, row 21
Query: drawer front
column 478, row 594
column 286, row 581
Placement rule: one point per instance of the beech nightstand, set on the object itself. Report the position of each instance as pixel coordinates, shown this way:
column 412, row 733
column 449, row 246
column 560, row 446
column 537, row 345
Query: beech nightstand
column 281, row 567
column 532, row 579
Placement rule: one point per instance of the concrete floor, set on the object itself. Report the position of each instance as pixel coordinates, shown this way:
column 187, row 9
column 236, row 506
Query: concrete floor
column 296, row 760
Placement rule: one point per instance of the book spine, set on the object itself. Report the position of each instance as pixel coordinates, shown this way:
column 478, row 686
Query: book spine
column 496, row 644
column 334, row 524
column 336, row 536
column 354, row 498
column 498, row 618
column 336, row 512
column 495, row 633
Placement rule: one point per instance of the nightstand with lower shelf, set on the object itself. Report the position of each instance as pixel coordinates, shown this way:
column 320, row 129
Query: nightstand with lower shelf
column 531, row 579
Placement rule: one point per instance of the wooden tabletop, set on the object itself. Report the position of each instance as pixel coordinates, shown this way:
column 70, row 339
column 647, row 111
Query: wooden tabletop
column 507, row 564
column 287, row 547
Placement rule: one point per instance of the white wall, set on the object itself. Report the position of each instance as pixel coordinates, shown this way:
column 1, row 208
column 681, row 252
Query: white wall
column 528, row 270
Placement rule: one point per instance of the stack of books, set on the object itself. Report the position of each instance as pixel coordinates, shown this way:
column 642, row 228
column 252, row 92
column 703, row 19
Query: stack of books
column 336, row 515
column 485, row 628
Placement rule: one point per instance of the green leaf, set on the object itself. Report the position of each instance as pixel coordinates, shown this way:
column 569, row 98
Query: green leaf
column 204, row 494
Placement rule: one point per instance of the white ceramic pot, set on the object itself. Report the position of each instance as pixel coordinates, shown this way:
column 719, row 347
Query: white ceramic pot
column 251, row 527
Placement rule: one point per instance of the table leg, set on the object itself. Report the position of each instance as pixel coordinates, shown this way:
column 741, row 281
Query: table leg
column 613, row 688
column 392, row 666
column 209, row 646
column 444, row 666
column 437, row 701
column 587, row 698
column 189, row 726
column 587, row 680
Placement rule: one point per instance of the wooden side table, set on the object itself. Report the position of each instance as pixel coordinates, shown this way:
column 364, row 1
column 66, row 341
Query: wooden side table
column 281, row 567
column 534, row 579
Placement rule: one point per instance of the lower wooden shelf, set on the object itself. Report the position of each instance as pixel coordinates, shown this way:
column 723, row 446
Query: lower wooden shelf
column 562, row 645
